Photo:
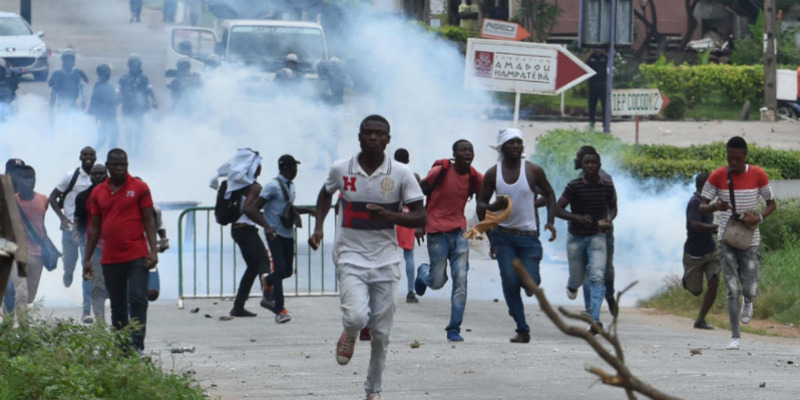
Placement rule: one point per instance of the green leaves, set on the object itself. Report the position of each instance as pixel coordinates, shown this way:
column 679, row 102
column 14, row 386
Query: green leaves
column 736, row 83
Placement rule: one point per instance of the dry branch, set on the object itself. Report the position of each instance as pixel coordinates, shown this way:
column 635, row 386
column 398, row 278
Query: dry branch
column 623, row 378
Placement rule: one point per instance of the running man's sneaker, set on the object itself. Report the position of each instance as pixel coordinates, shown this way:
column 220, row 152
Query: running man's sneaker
column 702, row 324
column 374, row 396
column 572, row 293
column 411, row 298
column 521, row 337
column 241, row 313
column 283, row 316
column 87, row 319
column 594, row 331
column 268, row 304
column 453, row 336
column 345, row 348
column 365, row 335
column 419, row 286
column 735, row 344
column 747, row 311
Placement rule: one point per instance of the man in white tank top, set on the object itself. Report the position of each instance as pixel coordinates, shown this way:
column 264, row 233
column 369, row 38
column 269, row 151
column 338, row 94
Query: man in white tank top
column 517, row 180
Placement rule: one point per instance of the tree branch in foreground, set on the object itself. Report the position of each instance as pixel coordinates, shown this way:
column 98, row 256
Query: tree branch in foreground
column 623, row 378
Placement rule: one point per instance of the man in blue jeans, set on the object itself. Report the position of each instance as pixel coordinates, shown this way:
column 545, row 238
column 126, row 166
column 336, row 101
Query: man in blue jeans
column 593, row 204
column 455, row 182
column 516, row 182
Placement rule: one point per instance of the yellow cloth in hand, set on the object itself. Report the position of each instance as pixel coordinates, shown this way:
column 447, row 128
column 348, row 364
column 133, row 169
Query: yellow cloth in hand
column 492, row 219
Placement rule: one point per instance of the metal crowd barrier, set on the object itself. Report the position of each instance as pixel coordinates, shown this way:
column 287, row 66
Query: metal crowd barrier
column 210, row 265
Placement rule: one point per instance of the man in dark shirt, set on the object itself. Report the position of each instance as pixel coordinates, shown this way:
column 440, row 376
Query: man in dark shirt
column 593, row 204
column 67, row 83
column 98, row 175
column 103, row 106
column 598, row 61
column 700, row 253
column 137, row 98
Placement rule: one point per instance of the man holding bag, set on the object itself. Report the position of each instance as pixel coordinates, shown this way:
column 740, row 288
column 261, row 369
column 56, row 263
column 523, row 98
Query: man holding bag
column 736, row 188
column 277, row 200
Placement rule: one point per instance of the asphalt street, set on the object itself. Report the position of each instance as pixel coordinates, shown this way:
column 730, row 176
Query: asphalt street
column 255, row 358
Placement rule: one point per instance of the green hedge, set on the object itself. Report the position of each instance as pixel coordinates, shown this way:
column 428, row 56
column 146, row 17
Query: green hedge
column 737, row 83
column 556, row 152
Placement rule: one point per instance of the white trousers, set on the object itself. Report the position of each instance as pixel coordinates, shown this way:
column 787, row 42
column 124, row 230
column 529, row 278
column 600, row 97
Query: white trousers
column 368, row 300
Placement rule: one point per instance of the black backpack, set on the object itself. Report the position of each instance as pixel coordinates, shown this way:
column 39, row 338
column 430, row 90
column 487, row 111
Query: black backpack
column 227, row 211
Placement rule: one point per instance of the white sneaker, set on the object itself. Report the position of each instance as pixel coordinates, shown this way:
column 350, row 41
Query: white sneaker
column 747, row 311
column 572, row 293
column 735, row 344
column 87, row 319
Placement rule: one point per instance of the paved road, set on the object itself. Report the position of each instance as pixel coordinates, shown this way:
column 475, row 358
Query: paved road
column 258, row 359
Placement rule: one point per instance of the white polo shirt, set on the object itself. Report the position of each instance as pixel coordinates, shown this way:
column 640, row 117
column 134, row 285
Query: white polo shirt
column 360, row 241
column 82, row 183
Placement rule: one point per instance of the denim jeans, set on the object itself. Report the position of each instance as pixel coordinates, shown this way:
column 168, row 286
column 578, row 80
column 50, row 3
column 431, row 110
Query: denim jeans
column 528, row 249
column 282, row 251
column 609, row 275
column 454, row 247
column 255, row 256
column 408, row 256
column 587, row 260
column 739, row 267
column 120, row 278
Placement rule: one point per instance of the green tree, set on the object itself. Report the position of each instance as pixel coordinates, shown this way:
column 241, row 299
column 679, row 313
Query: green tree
column 749, row 50
column 538, row 17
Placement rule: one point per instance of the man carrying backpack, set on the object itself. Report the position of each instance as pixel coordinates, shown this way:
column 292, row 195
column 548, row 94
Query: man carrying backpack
column 236, row 205
column 62, row 201
column 449, row 185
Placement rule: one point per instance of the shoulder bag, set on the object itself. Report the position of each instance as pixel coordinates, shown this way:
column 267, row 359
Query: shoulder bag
column 50, row 253
column 289, row 216
column 737, row 234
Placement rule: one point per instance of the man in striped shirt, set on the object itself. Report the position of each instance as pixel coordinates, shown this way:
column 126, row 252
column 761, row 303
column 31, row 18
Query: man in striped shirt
column 739, row 267
column 593, row 204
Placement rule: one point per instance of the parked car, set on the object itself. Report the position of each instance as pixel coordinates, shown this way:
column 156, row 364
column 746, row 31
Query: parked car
column 22, row 48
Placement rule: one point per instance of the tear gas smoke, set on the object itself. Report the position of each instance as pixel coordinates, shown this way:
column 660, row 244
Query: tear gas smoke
column 415, row 81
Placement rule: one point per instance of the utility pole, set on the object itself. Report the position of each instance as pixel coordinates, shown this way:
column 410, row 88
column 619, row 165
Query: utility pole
column 25, row 10
column 770, row 60
column 612, row 39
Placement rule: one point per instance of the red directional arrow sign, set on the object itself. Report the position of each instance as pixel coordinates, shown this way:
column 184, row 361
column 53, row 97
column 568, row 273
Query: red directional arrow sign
column 519, row 67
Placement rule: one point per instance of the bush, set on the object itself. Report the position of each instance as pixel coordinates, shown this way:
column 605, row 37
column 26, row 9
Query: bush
column 676, row 109
column 750, row 50
column 736, row 83
column 556, row 151
column 781, row 229
column 62, row 360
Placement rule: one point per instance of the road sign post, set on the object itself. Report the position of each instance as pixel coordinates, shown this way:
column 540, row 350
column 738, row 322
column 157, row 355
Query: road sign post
column 637, row 102
column 520, row 67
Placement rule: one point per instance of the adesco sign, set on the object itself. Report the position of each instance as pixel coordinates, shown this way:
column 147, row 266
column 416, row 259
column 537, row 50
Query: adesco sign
column 497, row 29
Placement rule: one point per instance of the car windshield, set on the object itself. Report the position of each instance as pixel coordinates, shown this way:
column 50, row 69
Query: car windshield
column 266, row 47
column 13, row 26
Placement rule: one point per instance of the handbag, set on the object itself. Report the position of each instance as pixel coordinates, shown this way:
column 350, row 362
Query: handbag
column 289, row 217
column 737, row 234
column 50, row 253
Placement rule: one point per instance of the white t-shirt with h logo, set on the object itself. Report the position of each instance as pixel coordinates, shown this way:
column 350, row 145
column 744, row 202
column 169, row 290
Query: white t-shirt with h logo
column 359, row 240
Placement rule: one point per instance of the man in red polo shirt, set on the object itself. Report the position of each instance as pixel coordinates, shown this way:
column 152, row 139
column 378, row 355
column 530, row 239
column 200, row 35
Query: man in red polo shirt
column 121, row 210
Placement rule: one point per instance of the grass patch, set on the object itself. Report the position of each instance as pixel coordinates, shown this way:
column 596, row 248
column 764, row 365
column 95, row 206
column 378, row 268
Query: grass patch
column 60, row 359
column 778, row 299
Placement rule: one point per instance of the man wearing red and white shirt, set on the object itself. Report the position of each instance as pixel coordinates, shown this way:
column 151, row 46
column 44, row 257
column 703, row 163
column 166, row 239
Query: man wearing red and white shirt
column 739, row 267
column 449, row 186
column 373, row 187
column 122, row 212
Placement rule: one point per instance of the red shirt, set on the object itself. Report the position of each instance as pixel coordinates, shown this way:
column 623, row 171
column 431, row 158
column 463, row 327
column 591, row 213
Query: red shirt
column 34, row 210
column 123, row 226
column 405, row 236
column 447, row 202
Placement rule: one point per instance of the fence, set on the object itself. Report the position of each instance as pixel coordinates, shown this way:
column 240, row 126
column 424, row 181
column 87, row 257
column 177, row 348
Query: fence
column 208, row 258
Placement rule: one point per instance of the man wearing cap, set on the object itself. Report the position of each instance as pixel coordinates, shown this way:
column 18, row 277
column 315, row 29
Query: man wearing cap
column 516, row 182
column 276, row 195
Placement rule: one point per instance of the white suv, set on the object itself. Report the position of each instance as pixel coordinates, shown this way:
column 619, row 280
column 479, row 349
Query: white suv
column 23, row 49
